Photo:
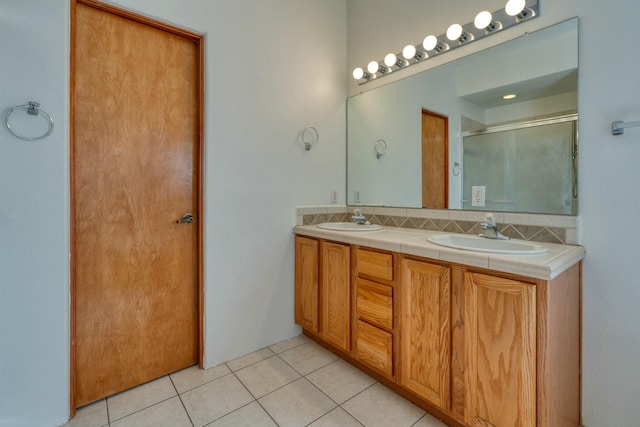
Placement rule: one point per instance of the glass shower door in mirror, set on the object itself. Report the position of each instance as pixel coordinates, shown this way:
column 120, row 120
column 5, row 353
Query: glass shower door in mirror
column 522, row 169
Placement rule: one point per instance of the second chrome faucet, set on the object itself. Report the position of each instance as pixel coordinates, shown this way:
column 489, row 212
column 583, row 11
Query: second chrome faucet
column 359, row 218
column 490, row 228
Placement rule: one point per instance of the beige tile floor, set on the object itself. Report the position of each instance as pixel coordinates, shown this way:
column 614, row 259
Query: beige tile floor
column 292, row 383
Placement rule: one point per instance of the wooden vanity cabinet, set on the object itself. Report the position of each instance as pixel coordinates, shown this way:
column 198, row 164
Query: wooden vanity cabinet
column 500, row 349
column 425, row 337
column 374, row 310
column 478, row 348
column 323, row 289
column 307, row 263
column 522, row 350
column 335, row 294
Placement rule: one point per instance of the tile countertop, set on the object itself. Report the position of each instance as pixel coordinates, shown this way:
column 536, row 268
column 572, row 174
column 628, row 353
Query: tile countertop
column 544, row 266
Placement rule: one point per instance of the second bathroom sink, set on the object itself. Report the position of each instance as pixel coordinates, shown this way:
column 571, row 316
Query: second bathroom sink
column 481, row 244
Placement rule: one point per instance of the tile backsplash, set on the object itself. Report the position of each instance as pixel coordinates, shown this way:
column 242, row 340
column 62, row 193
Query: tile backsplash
column 533, row 227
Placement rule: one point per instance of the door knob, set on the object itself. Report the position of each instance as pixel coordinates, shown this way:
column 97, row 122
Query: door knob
column 186, row 219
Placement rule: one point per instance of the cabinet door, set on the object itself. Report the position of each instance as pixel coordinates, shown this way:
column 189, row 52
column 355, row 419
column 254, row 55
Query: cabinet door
column 335, row 293
column 307, row 254
column 500, row 326
column 425, row 331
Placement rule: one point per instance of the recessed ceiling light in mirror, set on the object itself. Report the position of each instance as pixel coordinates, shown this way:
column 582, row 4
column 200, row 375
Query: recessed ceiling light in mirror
column 509, row 96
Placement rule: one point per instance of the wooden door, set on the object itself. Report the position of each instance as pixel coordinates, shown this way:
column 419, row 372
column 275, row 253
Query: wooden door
column 435, row 158
column 425, row 332
column 335, row 290
column 136, row 97
column 307, row 264
column 500, row 327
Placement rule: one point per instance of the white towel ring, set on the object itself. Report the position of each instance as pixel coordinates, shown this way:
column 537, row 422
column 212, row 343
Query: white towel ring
column 33, row 109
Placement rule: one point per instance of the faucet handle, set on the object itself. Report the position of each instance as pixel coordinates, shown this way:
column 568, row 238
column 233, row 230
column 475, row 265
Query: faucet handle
column 357, row 212
column 489, row 219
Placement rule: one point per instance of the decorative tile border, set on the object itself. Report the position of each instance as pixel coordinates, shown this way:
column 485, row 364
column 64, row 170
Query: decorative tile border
column 532, row 227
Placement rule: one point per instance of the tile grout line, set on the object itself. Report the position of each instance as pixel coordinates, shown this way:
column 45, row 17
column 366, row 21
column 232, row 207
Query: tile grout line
column 141, row 409
column 353, row 397
column 181, row 401
column 106, row 403
column 206, row 382
column 338, row 405
column 254, row 399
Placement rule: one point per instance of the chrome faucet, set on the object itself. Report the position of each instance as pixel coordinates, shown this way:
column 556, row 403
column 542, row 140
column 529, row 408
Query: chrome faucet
column 490, row 228
column 358, row 218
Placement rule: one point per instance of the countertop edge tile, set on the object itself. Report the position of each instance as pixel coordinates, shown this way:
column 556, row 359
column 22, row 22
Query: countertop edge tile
column 414, row 242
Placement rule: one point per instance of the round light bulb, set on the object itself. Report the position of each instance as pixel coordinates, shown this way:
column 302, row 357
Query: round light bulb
column 373, row 67
column 430, row 42
column 483, row 19
column 514, row 7
column 454, row 32
column 409, row 51
column 390, row 60
column 358, row 73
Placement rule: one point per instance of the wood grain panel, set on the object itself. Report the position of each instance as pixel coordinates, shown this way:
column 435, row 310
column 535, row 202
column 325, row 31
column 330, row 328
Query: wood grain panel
column 435, row 159
column 335, row 289
column 500, row 316
column 135, row 157
column 374, row 303
column 375, row 264
column 559, row 343
column 458, row 363
column 306, row 283
column 375, row 347
column 425, row 330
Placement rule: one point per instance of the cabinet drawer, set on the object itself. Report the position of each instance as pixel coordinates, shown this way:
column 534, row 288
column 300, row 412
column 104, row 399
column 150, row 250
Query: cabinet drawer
column 375, row 264
column 374, row 347
column 374, row 303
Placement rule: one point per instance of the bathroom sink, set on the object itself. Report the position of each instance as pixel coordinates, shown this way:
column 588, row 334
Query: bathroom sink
column 481, row 244
column 349, row 226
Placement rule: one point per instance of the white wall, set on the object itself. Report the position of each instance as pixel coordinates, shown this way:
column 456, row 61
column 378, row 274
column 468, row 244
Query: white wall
column 34, row 217
column 608, row 91
column 273, row 67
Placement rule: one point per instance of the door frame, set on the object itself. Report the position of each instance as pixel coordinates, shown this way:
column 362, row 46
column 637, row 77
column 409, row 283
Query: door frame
column 198, row 39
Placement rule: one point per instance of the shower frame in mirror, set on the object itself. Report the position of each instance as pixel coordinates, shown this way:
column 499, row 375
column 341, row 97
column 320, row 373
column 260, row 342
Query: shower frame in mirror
column 458, row 91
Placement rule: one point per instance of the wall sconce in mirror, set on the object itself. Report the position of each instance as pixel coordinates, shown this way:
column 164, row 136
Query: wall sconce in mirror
column 484, row 24
column 456, row 169
column 308, row 137
column 380, row 147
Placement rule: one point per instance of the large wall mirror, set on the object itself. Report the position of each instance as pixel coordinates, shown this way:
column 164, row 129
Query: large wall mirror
column 448, row 138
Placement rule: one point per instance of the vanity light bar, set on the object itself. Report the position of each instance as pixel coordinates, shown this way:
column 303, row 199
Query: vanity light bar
column 485, row 24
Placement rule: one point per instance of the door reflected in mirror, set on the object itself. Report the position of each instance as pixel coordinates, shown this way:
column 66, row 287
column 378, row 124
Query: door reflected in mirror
column 522, row 149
